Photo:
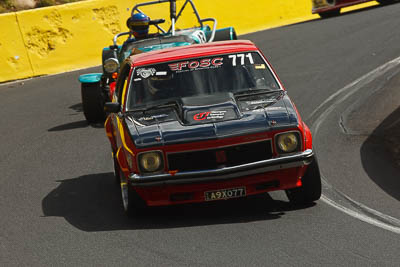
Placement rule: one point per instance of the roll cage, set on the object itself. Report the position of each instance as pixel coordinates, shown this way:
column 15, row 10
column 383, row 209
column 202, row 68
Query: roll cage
column 174, row 18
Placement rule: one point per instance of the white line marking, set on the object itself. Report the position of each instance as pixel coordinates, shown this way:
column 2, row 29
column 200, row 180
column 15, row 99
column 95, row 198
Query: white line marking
column 391, row 224
column 357, row 84
column 362, row 217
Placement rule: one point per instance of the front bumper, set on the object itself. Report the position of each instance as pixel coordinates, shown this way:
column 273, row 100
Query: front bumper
column 190, row 177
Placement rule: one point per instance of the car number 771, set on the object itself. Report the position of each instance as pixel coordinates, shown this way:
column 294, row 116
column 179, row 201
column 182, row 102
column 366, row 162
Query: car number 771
column 242, row 58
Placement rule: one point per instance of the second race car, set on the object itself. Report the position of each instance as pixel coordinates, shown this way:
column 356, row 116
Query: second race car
column 331, row 8
column 96, row 88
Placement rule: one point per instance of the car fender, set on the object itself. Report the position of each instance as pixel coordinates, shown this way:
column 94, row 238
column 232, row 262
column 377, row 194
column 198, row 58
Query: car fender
column 110, row 133
column 90, row 78
column 126, row 154
column 307, row 137
column 123, row 164
column 121, row 151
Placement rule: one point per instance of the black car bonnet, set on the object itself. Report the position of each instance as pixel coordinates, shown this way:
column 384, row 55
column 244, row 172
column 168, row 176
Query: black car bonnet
column 210, row 117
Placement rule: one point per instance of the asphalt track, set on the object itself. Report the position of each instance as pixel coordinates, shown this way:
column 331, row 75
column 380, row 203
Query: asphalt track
column 60, row 206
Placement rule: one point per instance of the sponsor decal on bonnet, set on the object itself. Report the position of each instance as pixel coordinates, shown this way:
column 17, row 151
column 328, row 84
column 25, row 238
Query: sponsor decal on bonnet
column 210, row 115
column 150, row 118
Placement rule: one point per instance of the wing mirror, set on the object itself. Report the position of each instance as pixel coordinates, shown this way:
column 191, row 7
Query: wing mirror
column 112, row 107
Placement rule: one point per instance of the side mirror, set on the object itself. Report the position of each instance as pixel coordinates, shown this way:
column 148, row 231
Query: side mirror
column 112, row 107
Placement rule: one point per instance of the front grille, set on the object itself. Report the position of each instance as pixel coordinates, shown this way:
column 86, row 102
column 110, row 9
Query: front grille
column 221, row 157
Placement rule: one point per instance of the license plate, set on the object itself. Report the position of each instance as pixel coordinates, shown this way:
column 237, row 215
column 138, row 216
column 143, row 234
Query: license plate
column 225, row 193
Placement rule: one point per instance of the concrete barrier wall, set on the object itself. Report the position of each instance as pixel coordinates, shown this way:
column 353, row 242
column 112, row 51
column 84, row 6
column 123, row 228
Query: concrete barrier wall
column 57, row 39
column 14, row 60
column 69, row 37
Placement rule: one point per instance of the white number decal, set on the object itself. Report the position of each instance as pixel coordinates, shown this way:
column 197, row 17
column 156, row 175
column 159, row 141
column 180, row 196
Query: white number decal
column 242, row 57
column 250, row 58
column 233, row 57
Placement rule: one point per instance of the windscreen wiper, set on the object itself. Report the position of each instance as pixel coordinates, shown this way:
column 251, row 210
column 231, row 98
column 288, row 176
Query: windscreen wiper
column 258, row 102
column 168, row 104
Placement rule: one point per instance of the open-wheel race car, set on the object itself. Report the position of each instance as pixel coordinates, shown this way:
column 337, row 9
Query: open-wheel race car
column 207, row 122
column 331, row 8
column 96, row 88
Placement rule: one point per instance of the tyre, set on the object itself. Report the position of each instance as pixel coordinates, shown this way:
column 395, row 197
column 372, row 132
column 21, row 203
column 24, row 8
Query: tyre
column 311, row 188
column 93, row 102
column 329, row 14
column 225, row 34
column 132, row 203
column 116, row 170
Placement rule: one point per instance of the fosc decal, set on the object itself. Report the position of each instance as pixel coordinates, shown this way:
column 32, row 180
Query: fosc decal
column 209, row 115
column 204, row 63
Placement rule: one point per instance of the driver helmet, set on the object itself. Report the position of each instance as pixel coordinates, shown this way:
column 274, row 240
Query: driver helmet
column 139, row 25
column 157, row 85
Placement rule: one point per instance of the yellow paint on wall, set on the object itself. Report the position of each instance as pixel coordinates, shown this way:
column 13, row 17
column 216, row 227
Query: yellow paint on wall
column 255, row 15
column 72, row 36
column 14, row 61
column 69, row 37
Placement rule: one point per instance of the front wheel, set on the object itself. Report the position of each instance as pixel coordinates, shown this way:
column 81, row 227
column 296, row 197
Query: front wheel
column 311, row 187
column 116, row 169
column 132, row 203
column 93, row 102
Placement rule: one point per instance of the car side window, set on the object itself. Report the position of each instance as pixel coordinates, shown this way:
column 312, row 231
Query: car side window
column 122, row 80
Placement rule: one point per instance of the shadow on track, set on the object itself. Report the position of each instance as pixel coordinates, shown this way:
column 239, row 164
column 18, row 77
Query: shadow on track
column 70, row 126
column 380, row 155
column 93, row 203
column 77, row 107
column 76, row 124
column 376, row 115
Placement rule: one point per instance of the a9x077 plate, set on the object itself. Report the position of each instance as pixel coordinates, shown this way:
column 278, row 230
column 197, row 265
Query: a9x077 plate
column 225, row 193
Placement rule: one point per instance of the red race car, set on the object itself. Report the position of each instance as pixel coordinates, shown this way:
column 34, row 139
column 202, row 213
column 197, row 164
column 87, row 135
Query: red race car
column 331, row 8
column 207, row 122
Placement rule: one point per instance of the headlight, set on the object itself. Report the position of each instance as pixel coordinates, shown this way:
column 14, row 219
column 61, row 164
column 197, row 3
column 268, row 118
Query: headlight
column 151, row 161
column 111, row 65
column 288, row 142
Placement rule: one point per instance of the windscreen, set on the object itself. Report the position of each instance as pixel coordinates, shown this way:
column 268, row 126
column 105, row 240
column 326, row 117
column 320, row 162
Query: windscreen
column 159, row 83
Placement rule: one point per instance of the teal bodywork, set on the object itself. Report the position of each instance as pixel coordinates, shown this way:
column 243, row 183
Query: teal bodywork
column 90, row 78
column 158, row 47
column 96, row 77
column 193, row 34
